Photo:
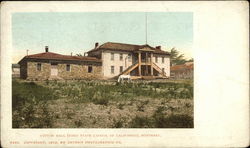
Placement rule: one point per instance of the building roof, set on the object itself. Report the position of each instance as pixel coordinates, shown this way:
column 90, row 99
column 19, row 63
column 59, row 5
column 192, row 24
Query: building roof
column 186, row 66
column 55, row 56
column 189, row 63
column 15, row 66
column 126, row 47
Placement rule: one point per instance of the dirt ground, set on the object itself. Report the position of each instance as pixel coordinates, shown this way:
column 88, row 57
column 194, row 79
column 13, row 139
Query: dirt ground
column 89, row 115
column 106, row 104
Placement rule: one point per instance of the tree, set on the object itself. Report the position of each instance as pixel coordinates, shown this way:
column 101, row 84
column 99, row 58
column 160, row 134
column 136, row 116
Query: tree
column 177, row 58
column 79, row 54
column 190, row 60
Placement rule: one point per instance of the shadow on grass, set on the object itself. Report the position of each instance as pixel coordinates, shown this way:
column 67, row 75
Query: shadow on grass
column 30, row 106
column 172, row 121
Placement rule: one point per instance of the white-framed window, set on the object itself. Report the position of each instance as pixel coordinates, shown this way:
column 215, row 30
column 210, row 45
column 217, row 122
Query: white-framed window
column 121, row 69
column 112, row 69
column 121, row 56
column 112, row 56
column 39, row 66
column 156, row 59
column 163, row 59
column 68, row 67
column 129, row 57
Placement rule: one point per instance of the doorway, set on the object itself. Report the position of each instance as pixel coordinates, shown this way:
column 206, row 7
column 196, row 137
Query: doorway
column 54, row 70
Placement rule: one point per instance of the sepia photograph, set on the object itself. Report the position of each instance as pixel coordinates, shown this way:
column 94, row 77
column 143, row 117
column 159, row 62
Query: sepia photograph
column 102, row 70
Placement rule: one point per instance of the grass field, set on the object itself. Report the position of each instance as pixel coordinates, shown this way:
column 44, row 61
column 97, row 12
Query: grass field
column 102, row 104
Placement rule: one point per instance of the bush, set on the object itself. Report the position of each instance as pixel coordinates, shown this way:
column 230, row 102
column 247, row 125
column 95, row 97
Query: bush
column 140, row 106
column 78, row 123
column 158, row 117
column 118, row 124
column 22, row 92
column 141, row 122
column 178, row 121
column 29, row 116
column 121, row 105
column 27, row 99
column 101, row 101
column 172, row 121
column 160, row 120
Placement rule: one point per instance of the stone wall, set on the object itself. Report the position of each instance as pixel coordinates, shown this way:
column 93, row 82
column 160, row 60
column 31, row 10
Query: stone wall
column 182, row 74
column 23, row 70
column 77, row 71
column 15, row 72
column 33, row 73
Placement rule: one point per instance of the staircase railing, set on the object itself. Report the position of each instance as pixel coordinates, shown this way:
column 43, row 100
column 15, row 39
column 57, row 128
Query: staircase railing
column 159, row 69
column 134, row 65
column 129, row 68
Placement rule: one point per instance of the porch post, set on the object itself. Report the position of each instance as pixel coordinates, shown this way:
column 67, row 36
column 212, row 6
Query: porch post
column 151, row 64
column 139, row 63
column 146, row 72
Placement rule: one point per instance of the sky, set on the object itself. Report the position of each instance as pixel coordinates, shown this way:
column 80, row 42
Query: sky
column 66, row 32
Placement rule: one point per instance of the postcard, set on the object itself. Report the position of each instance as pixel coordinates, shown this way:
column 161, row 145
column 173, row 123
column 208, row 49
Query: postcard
column 124, row 74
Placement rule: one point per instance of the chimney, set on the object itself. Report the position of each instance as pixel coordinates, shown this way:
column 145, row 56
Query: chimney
column 46, row 48
column 96, row 44
column 158, row 47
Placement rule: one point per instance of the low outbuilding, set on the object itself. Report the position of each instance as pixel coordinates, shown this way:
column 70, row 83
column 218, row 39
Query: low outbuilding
column 49, row 65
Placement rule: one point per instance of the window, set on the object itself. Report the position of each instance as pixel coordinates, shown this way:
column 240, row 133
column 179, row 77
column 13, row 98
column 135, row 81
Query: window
column 162, row 59
column 121, row 69
column 129, row 57
column 163, row 69
column 112, row 56
column 121, row 56
column 112, row 69
column 156, row 59
column 90, row 69
column 68, row 67
column 39, row 66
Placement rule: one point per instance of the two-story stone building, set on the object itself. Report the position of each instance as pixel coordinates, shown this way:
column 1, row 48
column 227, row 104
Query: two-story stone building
column 108, row 60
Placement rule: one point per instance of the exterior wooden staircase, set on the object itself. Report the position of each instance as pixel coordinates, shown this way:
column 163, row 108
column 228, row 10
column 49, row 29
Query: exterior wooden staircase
column 157, row 68
column 136, row 64
column 129, row 69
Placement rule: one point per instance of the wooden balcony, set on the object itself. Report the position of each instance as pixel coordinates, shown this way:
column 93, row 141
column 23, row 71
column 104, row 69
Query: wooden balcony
column 144, row 63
